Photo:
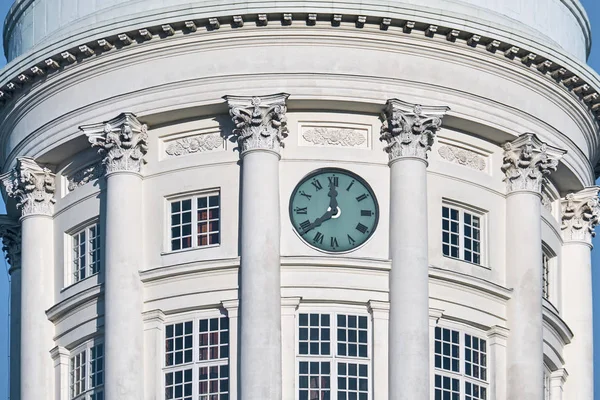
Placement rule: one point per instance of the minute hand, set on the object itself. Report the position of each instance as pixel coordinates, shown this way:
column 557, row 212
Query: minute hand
column 318, row 221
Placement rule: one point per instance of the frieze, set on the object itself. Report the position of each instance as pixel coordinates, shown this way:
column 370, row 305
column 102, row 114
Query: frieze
column 463, row 157
column 194, row 144
column 326, row 136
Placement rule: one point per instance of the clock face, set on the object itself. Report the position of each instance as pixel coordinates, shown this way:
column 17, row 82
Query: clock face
column 334, row 210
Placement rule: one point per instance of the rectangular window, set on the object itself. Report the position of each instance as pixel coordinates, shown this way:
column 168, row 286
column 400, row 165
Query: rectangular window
column 197, row 359
column 195, row 222
column 86, row 252
column 462, row 234
column 333, row 366
column 87, row 372
column 545, row 276
column 460, row 362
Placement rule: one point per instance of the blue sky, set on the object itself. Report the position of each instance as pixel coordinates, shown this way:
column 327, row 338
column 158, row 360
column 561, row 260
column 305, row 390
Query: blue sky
column 593, row 9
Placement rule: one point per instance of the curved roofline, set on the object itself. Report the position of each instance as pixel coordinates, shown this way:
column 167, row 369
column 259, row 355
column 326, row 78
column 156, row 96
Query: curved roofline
column 574, row 6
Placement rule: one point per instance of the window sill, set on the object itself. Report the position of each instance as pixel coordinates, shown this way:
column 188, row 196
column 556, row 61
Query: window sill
column 210, row 246
column 81, row 282
column 468, row 262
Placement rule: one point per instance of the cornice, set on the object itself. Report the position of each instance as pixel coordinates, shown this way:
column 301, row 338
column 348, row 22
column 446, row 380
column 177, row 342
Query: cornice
column 557, row 324
column 470, row 282
column 174, row 271
column 65, row 307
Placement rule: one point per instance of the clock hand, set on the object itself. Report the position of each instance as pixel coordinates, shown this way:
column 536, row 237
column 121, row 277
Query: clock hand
column 333, row 205
column 318, row 221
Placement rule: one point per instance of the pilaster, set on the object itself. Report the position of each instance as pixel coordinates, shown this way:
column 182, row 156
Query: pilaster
column 289, row 308
column 60, row 357
column 497, row 339
column 380, row 317
column 154, row 325
column 232, row 309
column 558, row 379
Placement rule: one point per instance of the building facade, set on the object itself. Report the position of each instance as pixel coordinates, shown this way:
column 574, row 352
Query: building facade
column 227, row 200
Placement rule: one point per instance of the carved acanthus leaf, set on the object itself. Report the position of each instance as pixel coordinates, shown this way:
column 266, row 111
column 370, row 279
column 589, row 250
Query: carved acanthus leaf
column 580, row 215
column 409, row 129
column 194, row 144
column 85, row 175
column 260, row 122
column 463, row 157
column 122, row 142
column 527, row 160
column 335, row 137
column 32, row 186
column 11, row 241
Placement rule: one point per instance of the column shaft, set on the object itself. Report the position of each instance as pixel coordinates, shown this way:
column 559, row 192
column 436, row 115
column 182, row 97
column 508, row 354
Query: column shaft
column 409, row 282
column 37, row 296
column 524, row 275
column 15, row 333
column 260, row 305
column 577, row 312
column 123, row 289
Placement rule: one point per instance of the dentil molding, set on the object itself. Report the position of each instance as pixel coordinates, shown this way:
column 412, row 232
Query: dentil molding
column 580, row 215
column 527, row 161
column 409, row 129
column 32, row 185
column 260, row 122
column 122, row 142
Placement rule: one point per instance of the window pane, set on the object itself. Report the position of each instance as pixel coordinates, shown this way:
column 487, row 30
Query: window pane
column 349, row 337
column 314, row 334
column 178, row 341
column 314, row 376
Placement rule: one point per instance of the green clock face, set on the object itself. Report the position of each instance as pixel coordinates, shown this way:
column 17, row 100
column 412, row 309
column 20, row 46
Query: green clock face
column 334, row 210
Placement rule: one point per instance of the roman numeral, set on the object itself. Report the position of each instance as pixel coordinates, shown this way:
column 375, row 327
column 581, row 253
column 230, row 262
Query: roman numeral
column 350, row 185
column 318, row 238
column 308, row 196
column 334, row 243
column 365, row 213
column 317, row 184
column 361, row 197
column 334, row 180
column 351, row 241
column 301, row 210
column 361, row 228
column 304, row 225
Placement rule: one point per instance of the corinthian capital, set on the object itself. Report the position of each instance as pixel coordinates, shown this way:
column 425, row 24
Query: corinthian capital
column 580, row 215
column 10, row 231
column 260, row 122
column 409, row 129
column 122, row 142
column 32, row 186
column 527, row 160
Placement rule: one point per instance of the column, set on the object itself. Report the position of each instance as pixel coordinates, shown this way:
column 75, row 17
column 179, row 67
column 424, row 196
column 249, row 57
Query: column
column 32, row 186
column 580, row 213
column 260, row 126
column 154, row 345
column 380, row 315
column 10, row 230
column 497, row 338
column 409, row 131
column 60, row 356
column 527, row 160
column 232, row 307
column 289, row 306
column 122, row 143
column 557, row 382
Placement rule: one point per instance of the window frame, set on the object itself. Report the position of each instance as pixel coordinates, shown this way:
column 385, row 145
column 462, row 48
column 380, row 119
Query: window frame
column 461, row 375
column 90, row 390
column 196, row 363
column 74, row 273
column 193, row 197
column 334, row 358
column 483, row 221
column 552, row 275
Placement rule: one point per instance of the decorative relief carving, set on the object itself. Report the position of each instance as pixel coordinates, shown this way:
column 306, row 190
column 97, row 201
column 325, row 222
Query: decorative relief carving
column 85, row 175
column 123, row 142
column 260, row 122
column 409, row 129
column 527, row 160
column 194, row 144
column 32, row 186
column 580, row 215
column 546, row 201
column 11, row 242
column 463, row 157
column 326, row 136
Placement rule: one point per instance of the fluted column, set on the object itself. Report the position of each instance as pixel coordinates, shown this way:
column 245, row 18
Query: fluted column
column 580, row 213
column 122, row 143
column 32, row 186
column 409, row 131
column 10, row 230
column 260, row 127
column 527, row 160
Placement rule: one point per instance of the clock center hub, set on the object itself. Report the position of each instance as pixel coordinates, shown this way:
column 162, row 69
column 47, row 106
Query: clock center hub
column 337, row 213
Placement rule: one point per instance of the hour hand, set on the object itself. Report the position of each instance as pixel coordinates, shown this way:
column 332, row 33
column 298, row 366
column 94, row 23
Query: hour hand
column 318, row 221
column 333, row 204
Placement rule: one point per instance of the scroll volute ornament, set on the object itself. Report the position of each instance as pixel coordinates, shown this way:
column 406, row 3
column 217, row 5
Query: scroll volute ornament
column 122, row 142
column 32, row 186
column 10, row 231
column 260, row 122
column 409, row 129
column 527, row 160
column 580, row 215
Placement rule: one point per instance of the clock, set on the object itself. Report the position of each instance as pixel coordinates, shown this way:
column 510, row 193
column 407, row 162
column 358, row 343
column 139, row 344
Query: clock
column 334, row 210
